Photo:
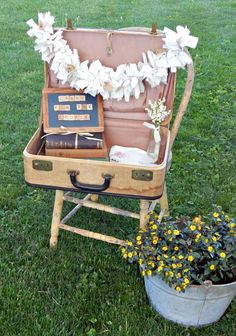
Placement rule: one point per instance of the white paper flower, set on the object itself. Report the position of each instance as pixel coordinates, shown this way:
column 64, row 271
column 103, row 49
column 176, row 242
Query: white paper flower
column 179, row 39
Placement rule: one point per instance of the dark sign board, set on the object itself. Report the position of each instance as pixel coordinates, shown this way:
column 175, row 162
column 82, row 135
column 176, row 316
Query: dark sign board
column 70, row 110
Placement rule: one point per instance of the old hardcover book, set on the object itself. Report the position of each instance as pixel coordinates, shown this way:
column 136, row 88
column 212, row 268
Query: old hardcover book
column 74, row 141
column 86, row 153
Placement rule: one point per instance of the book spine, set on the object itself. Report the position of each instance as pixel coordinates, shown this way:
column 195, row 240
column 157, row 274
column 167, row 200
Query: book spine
column 72, row 141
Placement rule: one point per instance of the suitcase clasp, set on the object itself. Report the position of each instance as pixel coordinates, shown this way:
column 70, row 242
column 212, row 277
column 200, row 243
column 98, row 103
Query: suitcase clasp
column 42, row 165
column 142, row 175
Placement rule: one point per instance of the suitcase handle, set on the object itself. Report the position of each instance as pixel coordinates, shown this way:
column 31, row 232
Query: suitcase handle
column 90, row 187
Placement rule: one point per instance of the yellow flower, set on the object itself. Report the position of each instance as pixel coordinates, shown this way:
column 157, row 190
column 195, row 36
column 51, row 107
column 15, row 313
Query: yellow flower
column 154, row 241
column 147, row 216
column 196, row 240
column 227, row 218
column 198, row 235
column 170, row 239
column 159, row 268
column 169, row 231
column 151, row 263
column 151, row 222
column 210, row 248
column 222, row 255
column 232, row 225
column 143, row 273
column 139, row 242
column 184, row 285
column 166, row 273
column 161, row 263
column 149, row 272
column 164, row 248
column 186, row 280
column 199, row 227
column 138, row 238
column 158, row 258
column 140, row 261
column 212, row 267
column 176, row 248
column 190, row 258
column 179, row 265
column 173, row 257
column 165, row 256
column 130, row 254
column 177, row 288
column 197, row 220
column 214, row 238
column 171, row 274
column 178, row 275
column 185, row 270
column 176, row 232
column 125, row 255
column 181, row 256
column 123, row 250
column 192, row 227
column 154, row 227
column 215, row 214
column 174, row 266
column 129, row 243
column 206, row 240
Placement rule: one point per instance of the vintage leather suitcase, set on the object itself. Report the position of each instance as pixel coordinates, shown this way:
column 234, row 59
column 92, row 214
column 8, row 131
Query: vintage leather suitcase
column 123, row 122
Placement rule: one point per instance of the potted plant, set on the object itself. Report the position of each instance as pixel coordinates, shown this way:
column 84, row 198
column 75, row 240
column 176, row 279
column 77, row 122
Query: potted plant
column 189, row 266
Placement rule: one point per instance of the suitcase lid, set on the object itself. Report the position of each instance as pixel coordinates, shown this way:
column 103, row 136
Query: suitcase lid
column 127, row 47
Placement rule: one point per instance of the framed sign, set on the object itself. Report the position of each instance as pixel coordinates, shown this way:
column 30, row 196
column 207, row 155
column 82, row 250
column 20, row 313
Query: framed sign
column 71, row 110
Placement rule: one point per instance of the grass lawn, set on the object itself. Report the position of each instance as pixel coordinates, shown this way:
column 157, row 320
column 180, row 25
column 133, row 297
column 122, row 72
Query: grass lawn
column 85, row 288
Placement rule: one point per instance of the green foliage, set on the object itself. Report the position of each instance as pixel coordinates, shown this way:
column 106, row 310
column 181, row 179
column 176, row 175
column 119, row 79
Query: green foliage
column 184, row 251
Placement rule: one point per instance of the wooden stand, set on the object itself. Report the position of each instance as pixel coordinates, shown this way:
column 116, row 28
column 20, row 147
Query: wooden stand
column 90, row 201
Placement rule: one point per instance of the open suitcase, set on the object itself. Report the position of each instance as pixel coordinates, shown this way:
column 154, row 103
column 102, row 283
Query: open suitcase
column 123, row 125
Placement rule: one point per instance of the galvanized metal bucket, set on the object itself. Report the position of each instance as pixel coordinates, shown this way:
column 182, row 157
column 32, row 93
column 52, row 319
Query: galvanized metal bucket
column 199, row 305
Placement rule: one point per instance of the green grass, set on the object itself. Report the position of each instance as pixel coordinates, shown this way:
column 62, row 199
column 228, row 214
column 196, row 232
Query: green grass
column 85, row 288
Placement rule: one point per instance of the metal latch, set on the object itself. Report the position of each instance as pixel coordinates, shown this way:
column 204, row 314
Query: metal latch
column 42, row 165
column 142, row 175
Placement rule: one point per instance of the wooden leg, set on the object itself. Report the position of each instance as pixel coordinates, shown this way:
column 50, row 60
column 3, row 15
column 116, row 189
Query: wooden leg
column 153, row 205
column 144, row 206
column 56, row 218
column 94, row 197
column 164, row 202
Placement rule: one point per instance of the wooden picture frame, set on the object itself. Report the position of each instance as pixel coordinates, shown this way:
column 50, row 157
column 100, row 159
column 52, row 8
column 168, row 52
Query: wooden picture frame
column 69, row 110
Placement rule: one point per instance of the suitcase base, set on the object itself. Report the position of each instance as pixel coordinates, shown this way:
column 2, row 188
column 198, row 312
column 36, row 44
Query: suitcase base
column 135, row 181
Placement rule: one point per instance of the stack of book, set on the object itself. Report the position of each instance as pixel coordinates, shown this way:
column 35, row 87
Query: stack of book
column 75, row 145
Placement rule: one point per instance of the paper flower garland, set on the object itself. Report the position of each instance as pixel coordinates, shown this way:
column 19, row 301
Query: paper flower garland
column 94, row 78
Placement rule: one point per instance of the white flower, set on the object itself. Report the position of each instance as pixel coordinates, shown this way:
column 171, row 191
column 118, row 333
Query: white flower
column 157, row 111
column 99, row 76
column 180, row 39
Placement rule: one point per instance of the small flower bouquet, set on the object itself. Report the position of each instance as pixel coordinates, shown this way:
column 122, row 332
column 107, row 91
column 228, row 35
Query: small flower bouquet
column 157, row 111
column 184, row 251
